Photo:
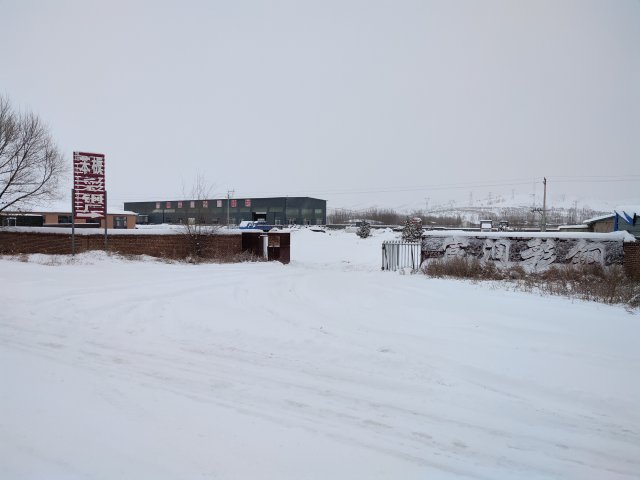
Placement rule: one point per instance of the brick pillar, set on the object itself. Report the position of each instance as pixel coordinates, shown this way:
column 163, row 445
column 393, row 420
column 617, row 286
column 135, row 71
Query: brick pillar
column 632, row 259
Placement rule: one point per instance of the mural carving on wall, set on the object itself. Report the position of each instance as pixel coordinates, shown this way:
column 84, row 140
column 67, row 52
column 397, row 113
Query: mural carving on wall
column 455, row 247
column 584, row 253
column 539, row 255
column 533, row 254
column 496, row 250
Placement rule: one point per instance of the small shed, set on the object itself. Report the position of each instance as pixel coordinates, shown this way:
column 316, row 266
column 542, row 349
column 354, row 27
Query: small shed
column 627, row 218
column 278, row 245
column 601, row 223
column 623, row 218
column 486, row 225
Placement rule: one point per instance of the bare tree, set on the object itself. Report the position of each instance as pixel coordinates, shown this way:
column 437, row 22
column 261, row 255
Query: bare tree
column 198, row 228
column 30, row 163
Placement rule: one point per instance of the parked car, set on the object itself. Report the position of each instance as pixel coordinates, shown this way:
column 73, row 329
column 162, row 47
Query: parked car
column 255, row 225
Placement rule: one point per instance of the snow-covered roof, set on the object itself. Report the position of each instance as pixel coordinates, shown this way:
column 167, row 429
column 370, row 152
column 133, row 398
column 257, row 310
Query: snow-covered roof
column 63, row 207
column 589, row 221
column 572, row 227
column 621, row 235
column 167, row 230
column 628, row 212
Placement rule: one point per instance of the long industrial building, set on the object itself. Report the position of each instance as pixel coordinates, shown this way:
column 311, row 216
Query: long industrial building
column 274, row 210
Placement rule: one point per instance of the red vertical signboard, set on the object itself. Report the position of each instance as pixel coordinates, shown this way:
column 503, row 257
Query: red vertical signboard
column 89, row 185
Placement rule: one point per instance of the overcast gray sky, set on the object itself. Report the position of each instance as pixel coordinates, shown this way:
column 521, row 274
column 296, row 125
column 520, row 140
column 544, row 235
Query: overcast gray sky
column 363, row 103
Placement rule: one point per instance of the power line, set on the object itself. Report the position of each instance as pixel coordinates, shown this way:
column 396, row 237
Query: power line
column 597, row 181
column 403, row 189
column 444, row 187
column 407, row 189
column 595, row 176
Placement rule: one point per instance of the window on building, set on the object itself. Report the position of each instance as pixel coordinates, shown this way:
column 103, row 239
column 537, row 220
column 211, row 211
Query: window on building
column 64, row 219
column 119, row 222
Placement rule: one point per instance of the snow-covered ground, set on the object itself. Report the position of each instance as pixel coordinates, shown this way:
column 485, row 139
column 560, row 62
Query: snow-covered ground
column 326, row 368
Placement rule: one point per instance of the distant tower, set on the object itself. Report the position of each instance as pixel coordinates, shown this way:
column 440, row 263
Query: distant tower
column 533, row 194
column 471, row 199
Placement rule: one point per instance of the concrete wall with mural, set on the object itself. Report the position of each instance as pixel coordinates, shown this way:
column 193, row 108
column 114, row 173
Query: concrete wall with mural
column 534, row 252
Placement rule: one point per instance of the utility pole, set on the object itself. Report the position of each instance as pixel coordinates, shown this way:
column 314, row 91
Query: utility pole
column 229, row 193
column 544, row 207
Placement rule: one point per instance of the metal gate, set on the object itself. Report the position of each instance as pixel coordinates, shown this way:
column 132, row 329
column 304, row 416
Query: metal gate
column 398, row 254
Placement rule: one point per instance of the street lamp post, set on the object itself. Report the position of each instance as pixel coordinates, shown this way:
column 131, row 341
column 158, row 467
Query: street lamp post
column 229, row 193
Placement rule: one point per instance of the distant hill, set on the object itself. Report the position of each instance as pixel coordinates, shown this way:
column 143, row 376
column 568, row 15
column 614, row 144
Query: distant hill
column 517, row 209
column 524, row 210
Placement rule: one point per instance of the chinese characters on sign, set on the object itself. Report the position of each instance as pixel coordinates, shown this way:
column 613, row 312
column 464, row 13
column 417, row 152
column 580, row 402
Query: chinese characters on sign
column 218, row 203
column 89, row 185
column 179, row 204
column 205, row 204
column 234, row 203
column 247, row 203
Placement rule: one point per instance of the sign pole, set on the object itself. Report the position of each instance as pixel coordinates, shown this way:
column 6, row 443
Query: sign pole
column 544, row 206
column 106, row 243
column 73, row 222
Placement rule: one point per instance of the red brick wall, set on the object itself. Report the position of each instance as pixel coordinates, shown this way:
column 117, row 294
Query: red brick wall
column 632, row 259
column 215, row 247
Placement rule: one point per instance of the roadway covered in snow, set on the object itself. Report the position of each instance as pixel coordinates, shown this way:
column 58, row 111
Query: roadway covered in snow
column 325, row 368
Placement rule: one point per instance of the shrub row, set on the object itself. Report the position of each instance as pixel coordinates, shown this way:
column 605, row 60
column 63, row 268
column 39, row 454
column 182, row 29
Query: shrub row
column 585, row 282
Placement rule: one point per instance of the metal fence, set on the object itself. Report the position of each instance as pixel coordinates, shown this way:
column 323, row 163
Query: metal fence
column 398, row 254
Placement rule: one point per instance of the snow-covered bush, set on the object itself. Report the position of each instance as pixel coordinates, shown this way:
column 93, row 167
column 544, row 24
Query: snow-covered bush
column 412, row 231
column 364, row 231
column 585, row 282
